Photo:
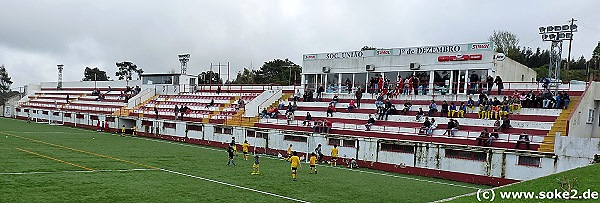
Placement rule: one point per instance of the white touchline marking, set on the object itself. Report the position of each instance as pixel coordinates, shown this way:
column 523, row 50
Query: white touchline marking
column 81, row 171
column 369, row 172
column 232, row 185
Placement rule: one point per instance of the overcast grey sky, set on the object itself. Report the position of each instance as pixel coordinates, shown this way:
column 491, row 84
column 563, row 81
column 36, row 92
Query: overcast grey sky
column 37, row 35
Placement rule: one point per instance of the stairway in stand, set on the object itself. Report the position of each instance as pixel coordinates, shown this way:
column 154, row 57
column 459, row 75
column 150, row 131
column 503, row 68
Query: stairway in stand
column 239, row 120
column 124, row 111
column 560, row 125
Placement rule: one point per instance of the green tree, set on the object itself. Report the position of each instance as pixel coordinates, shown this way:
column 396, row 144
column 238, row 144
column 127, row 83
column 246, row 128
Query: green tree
column 209, row 77
column 596, row 52
column 245, row 77
column 505, row 41
column 127, row 69
column 94, row 74
column 278, row 71
column 5, row 80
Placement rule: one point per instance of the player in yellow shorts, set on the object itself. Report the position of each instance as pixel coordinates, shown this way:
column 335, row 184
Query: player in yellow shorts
column 289, row 152
column 134, row 129
column 295, row 164
column 123, row 131
column 334, row 155
column 256, row 166
column 313, row 163
column 245, row 149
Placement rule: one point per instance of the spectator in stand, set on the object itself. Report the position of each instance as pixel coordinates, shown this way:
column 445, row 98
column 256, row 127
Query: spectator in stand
column 407, row 86
column 156, row 111
column 415, row 84
column 407, row 107
column 380, row 113
column 297, row 95
column 565, row 100
column 432, row 108
column 399, row 86
column 218, row 90
column 425, row 127
column 505, row 124
column 241, row 104
column 493, row 136
column 317, row 126
column 211, row 104
column 528, row 100
column 462, row 109
column 330, row 110
column 68, row 98
column 474, row 79
column 455, row 128
column 274, row 112
column 109, row 89
column 137, row 89
column 380, row 84
column 307, row 120
column 320, row 91
column 328, row 125
column 370, row 122
column 176, row 111
column 420, row 114
column 351, row 106
column 432, row 127
column 470, row 105
column 372, row 85
column 499, row 83
column 452, row 110
column 280, row 104
column 445, row 110
column 349, row 85
column 294, row 108
column 264, row 113
column 548, row 98
column 122, row 95
column 483, row 138
column 490, row 84
column 523, row 138
column 497, row 124
column 516, row 104
column 335, row 100
column 494, row 112
column 391, row 111
column 449, row 127
column 379, row 102
column 289, row 117
column 358, row 95
column 546, row 83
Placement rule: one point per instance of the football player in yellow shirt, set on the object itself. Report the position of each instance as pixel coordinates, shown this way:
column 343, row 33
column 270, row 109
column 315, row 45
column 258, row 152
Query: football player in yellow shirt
column 295, row 164
column 313, row 161
column 123, row 131
column 289, row 152
column 334, row 155
column 245, row 149
column 256, row 166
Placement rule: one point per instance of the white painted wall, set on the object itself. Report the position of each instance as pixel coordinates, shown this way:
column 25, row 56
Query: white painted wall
column 579, row 125
column 510, row 70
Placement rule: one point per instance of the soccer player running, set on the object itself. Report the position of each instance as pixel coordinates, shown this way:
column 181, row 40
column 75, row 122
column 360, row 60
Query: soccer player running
column 334, row 155
column 256, row 166
column 245, row 149
column 313, row 161
column 295, row 164
column 230, row 152
column 318, row 152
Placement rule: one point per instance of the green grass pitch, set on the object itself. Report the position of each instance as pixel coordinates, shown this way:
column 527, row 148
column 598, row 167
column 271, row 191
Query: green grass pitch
column 43, row 163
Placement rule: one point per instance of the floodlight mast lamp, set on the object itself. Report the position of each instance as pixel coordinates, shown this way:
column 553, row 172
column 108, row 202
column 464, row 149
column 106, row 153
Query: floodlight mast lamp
column 183, row 59
column 556, row 34
column 60, row 73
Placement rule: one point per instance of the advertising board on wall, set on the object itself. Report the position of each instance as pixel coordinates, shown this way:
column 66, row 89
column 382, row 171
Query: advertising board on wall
column 455, row 48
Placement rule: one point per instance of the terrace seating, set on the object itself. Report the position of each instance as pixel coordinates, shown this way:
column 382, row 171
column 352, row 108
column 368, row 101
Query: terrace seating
column 224, row 106
column 534, row 121
column 80, row 100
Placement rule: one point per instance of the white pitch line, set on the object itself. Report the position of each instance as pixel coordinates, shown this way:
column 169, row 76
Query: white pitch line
column 369, row 172
column 82, row 171
column 232, row 185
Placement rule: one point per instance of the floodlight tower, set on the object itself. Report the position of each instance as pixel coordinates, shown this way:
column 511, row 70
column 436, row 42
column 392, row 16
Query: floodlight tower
column 183, row 59
column 60, row 70
column 556, row 34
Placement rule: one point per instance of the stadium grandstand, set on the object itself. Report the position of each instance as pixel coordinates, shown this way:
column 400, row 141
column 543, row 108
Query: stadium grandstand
column 513, row 127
